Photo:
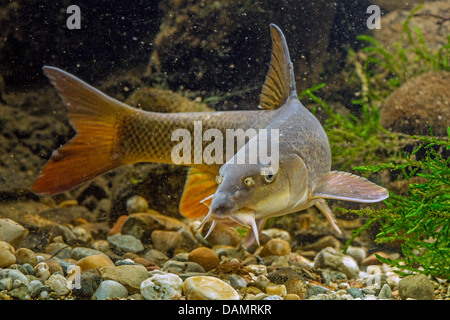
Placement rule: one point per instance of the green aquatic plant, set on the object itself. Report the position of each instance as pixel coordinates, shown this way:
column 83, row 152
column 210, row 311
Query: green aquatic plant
column 356, row 140
column 419, row 220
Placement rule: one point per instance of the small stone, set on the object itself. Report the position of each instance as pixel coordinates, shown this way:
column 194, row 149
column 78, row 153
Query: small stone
column 276, row 289
column 355, row 292
column 357, row 253
column 324, row 242
column 222, row 235
column 368, row 291
column 335, row 260
column 25, row 255
column 205, row 257
column 237, row 282
column 58, row 284
column 54, row 266
column 282, row 275
column 156, row 256
column 273, row 297
column 162, row 287
column 276, row 246
column 35, row 288
column 6, row 284
column 101, row 245
column 291, row 296
column 208, row 288
column 117, row 228
column 166, row 240
column 13, row 274
column 316, row 290
column 150, row 265
column 385, row 292
column 296, row 286
column 373, row 260
column 126, row 243
column 88, row 284
column 131, row 276
column 110, row 289
column 95, row 261
column 257, row 269
column 137, row 204
column 12, row 232
column 141, row 225
column 7, row 254
column 79, row 253
column 417, row 287
column 42, row 271
column 277, row 233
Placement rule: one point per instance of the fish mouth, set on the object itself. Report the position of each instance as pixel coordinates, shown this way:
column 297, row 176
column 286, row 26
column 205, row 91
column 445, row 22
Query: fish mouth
column 242, row 217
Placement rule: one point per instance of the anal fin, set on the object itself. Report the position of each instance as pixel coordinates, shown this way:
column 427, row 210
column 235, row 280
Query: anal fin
column 196, row 198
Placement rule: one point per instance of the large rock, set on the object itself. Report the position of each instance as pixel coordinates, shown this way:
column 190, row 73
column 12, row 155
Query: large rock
column 418, row 105
column 417, row 287
column 12, row 232
column 335, row 260
column 131, row 276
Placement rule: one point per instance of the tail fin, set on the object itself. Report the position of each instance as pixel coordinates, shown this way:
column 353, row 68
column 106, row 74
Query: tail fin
column 96, row 146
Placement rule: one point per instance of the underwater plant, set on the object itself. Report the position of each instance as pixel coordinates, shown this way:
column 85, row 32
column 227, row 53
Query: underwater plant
column 420, row 220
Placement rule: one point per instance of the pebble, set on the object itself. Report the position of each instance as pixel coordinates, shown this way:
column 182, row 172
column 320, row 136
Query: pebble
column 373, row 260
column 156, row 256
column 166, row 240
column 136, row 204
column 257, row 269
column 12, row 232
column 59, row 284
column 296, row 286
column 42, row 271
column 25, row 255
column 355, row 292
column 291, row 296
column 385, row 292
column 357, row 253
column 417, row 287
column 95, row 261
column 208, row 288
column 110, row 289
column 277, row 233
column 13, row 274
column 79, row 253
column 141, row 225
column 166, row 286
column 276, row 246
column 276, row 289
column 54, row 266
column 205, row 257
column 222, row 235
column 131, row 276
column 7, row 254
column 126, row 243
column 88, row 284
column 237, row 282
column 282, row 275
column 335, row 260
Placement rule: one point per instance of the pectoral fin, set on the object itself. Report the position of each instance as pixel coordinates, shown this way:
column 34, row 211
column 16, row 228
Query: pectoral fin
column 346, row 186
column 198, row 189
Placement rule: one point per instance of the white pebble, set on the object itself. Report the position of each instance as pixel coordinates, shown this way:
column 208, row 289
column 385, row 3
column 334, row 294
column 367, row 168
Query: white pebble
column 59, row 284
column 42, row 271
column 162, row 287
column 208, row 288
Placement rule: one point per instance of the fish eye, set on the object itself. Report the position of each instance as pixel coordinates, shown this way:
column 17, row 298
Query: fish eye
column 269, row 176
column 249, row 182
column 219, row 179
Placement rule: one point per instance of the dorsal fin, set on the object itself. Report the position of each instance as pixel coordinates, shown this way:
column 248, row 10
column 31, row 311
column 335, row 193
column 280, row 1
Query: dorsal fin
column 279, row 84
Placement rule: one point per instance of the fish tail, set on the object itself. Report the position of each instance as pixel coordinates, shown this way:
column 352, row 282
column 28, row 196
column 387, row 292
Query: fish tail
column 95, row 148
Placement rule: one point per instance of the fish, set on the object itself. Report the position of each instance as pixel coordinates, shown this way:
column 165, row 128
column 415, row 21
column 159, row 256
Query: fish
column 242, row 190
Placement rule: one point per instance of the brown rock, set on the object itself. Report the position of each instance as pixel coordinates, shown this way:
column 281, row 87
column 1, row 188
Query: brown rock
column 117, row 228
column 150, row 265
column 231, row 267
column 372, row 259
column 296, row 286
column 141, row 225
column 53, row 266
column 276, row 247
column 12, row 232
column 95, row 261
column 205, row 257
column 131, row 276
column 7, row 256
column 166, row 240
column 419, row 104
column 25, row 255
column 222, row 235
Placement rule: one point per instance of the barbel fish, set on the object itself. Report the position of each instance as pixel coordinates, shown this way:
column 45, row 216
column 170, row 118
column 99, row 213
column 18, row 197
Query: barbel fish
column 110, row 134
